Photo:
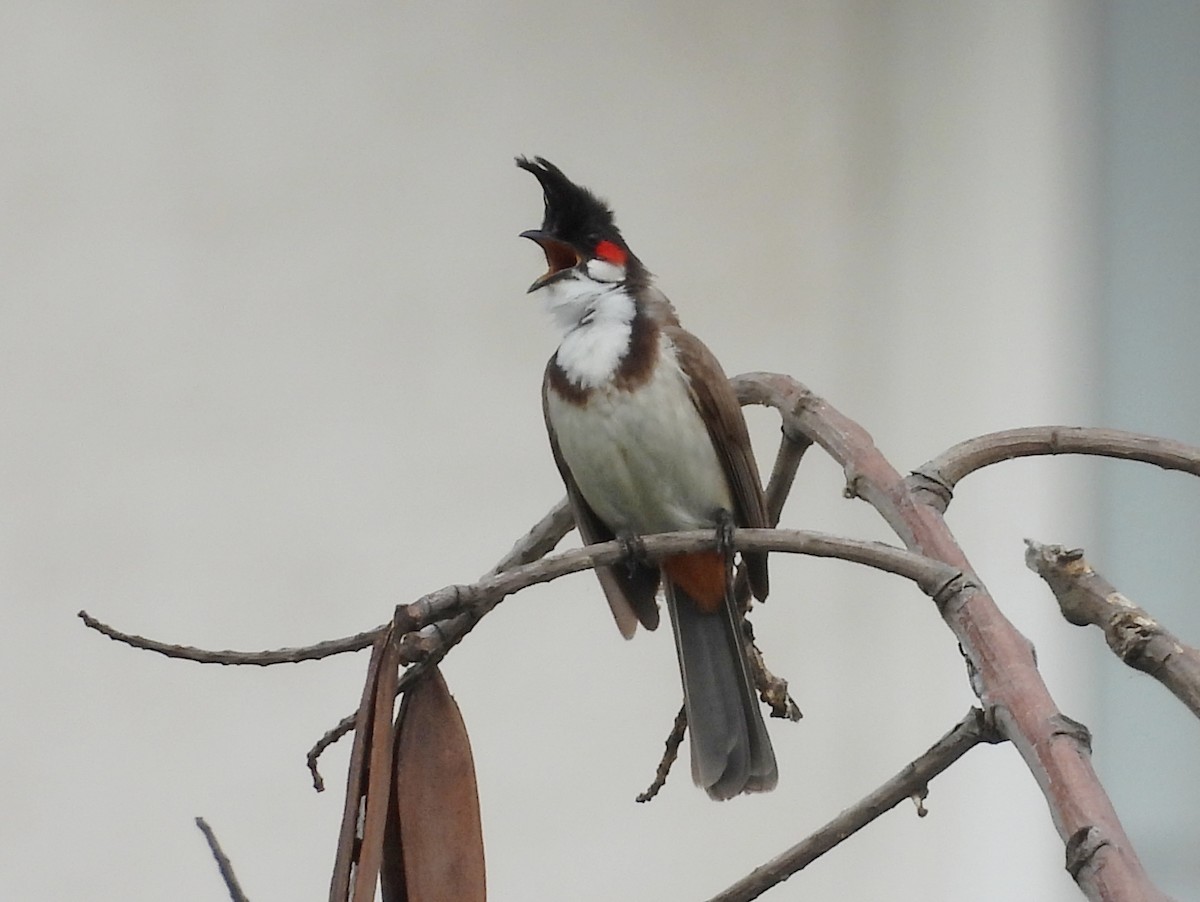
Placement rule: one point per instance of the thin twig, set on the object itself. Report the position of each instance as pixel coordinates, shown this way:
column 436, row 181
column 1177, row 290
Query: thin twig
column 911, row 781
column 1088, row 599
column 256, row 658
column 223, row 863
column 332, row 735
column 670, row 753
column 542, row 538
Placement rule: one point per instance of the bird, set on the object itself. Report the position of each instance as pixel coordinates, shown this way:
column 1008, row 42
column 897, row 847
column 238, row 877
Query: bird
column 648, row 437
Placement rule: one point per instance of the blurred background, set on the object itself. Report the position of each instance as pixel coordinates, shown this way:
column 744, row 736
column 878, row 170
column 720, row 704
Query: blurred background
column 269, row 369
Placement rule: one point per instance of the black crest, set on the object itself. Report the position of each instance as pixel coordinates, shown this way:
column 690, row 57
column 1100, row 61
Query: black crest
column 573, row 213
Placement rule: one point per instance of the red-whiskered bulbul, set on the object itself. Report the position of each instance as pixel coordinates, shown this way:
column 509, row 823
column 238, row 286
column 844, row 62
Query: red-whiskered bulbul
column 649, row 437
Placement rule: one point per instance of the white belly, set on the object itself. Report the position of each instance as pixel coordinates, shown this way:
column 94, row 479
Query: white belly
column 643, row 459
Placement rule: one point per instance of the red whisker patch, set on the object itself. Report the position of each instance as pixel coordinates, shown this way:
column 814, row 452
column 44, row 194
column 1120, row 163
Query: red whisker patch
column 611, row 252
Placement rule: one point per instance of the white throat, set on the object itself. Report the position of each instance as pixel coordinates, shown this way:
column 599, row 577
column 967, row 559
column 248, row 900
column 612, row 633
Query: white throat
column 596, row 319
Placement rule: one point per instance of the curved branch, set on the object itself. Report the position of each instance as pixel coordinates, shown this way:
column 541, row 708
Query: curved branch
column 940, row 475
column 433, row 624
column 443, row 610
column 1005, row 675
column 934, row 578
column 540, row 539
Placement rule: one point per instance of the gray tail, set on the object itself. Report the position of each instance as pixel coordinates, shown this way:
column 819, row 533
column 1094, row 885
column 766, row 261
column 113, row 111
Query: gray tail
column 731, row 751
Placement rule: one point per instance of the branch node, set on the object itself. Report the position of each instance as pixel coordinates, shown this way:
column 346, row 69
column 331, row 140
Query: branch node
column 1082, row 848
column 919, row 798
column 1130, row 631
column 633, row 549
column 416, row 647
column 850, row 492
column 436, row 637
column 951, row 590
column 405, row 619
column 928, row 486
column 1061, row 725
column 793, row 434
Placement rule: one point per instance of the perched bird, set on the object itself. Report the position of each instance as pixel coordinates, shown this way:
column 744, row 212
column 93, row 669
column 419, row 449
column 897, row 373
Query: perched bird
column 649, row 437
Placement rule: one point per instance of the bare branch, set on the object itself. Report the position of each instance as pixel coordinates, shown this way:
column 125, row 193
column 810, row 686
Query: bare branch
column 670, row 753
column 932, row 577
column 940, row 475
column 332, row 735
column 1101, row 857
column 1087, row 598
column 432, row 625
column 912, row 781
column 542, row 538
column 223, row 862
column 1005, row 675
column 257, row 658
column 435, row 623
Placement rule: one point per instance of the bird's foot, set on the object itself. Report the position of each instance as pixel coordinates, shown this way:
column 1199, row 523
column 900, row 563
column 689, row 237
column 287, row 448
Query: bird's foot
column 634, row 552
column 724, row 532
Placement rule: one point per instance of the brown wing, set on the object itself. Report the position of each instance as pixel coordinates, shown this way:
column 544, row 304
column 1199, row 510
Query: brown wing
column 719, row 407
column 630, row 588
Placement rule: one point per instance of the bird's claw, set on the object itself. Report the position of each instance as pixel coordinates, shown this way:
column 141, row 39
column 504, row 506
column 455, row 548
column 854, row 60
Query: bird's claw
column 634, row 552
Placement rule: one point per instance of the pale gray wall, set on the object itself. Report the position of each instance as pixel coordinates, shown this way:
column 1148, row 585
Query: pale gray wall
column 270, row 369
column 1148, row 750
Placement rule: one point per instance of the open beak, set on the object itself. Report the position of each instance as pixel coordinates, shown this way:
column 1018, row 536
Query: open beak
column 560, row 256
